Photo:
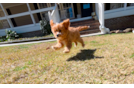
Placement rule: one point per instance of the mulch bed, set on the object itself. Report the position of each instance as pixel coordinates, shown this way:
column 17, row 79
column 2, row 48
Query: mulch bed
column 123, row 31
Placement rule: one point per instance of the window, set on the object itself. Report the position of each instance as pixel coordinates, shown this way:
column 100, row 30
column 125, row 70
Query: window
column 45, row 16
column 66, row 10
column 4, row 24
column 130, row 4
column 37, row 17
column 1, row 13
column 116, row 5
column 23, row 20
column 15, row 8
column 42, row 5
column 33, row 6
column 52, row 4
column 110, row 6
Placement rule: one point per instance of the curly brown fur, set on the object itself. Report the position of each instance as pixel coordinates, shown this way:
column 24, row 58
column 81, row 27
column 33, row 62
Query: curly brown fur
column 65, row 35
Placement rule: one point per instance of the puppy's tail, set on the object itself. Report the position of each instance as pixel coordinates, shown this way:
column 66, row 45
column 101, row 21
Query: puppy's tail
column 81, row 28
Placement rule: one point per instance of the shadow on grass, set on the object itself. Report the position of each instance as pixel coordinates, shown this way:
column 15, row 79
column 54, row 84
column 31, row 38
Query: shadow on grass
column 85, row 54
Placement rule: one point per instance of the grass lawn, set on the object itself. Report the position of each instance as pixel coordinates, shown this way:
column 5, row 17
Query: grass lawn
column 105, row 59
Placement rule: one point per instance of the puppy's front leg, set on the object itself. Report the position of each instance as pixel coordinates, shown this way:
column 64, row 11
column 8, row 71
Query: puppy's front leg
column 57, row 46
column 68, row 47
column 75, row 44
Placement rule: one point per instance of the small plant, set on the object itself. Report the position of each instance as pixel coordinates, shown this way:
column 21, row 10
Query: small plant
column 2, row 39
column 11, row 34
column 45, row 27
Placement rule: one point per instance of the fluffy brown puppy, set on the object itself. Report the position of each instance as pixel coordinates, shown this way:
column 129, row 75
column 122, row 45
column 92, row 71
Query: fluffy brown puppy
column 65, row 35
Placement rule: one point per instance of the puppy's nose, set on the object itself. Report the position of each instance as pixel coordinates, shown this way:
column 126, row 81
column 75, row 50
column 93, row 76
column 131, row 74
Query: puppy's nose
column 57, row 35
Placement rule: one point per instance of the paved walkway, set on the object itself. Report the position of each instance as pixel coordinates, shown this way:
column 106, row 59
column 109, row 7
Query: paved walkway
column 45, row 40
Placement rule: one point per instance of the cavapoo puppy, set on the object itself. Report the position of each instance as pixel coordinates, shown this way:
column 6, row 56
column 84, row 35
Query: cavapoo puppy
column 65, row 35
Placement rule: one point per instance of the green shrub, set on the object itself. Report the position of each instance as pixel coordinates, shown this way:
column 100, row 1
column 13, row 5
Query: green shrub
column 11, row 34
column 45, row 27
column 2, row 39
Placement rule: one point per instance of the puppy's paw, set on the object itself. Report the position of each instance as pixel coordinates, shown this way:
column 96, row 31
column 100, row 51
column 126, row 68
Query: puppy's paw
column 83, row 45
column 53, row 47
column 66, row 51
column 75, row 45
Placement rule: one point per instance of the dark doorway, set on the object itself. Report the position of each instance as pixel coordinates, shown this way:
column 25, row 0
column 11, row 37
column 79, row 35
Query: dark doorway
column 75, row 9
column 107, row 6
column 86, row 9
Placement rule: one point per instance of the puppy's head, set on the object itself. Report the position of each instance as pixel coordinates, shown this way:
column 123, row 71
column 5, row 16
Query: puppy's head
column 60, row 30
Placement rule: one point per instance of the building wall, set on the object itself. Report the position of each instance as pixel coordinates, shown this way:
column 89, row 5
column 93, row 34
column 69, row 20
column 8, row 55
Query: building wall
column 32, row 34
column 120, row 22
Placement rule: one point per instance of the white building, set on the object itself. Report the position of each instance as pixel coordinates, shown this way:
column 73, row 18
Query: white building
column 25, row 17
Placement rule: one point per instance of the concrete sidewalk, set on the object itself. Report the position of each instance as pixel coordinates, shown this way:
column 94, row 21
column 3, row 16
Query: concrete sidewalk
column 21, row 43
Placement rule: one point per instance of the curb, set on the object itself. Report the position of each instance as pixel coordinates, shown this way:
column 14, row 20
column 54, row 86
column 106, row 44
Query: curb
column 50, row 39
column 28, row 40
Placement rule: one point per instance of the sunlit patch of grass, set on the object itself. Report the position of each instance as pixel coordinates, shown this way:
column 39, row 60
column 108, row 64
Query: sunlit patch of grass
column 93, row 42
column 20, row 68
column 29, row 63
column 106, row 59
column 23, row 46
column 132, row 55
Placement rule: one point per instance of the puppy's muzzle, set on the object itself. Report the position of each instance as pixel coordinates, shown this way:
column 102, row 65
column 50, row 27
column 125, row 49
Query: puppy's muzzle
column 58, row 34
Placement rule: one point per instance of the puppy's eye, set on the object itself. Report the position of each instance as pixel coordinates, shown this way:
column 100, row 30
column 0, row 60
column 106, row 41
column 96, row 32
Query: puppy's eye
column 59, row 30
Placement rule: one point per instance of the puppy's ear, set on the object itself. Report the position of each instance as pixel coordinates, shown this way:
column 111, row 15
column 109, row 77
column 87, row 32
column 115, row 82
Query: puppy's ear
column 66, row 23
column 51, row 22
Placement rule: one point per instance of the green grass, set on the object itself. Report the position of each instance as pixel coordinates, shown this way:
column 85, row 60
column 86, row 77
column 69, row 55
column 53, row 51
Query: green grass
column 93, row 42
column 23, row 46
column 105, row 59
column 29, row 63
column 20, row 68
column 132, row 55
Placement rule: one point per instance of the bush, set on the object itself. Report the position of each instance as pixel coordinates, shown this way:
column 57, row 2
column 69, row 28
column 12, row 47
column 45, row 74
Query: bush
column 2, row 38
column 11, row 34
column 45, row 27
